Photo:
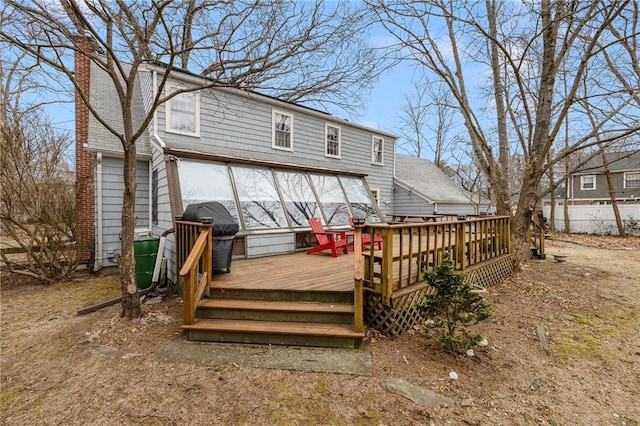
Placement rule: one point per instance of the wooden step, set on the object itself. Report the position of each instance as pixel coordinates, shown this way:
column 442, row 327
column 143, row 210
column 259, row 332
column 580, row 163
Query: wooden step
column 274, row 332
column 282, row 295
column 259, row 305
column 267, row 310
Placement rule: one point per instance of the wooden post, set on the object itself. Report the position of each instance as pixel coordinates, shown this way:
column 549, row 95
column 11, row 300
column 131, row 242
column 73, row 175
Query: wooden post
column 189, row 285
column 460, row 242
column 387, row 266
column 207, row 262
column 358, row 310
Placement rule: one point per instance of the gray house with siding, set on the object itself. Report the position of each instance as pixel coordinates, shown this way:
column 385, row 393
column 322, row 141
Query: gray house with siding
column 272, row 164
column 419, row 187
column 588, row 185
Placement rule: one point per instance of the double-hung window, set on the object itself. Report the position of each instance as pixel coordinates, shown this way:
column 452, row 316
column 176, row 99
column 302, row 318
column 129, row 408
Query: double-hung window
column 632, row 180
column 282, row 132
column 332, row 141
column 587, row 183
column 377, row 150
column 183, row 113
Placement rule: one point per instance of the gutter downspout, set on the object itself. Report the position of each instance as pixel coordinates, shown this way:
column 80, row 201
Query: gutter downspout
column 150, row 195
column 99, row 237
column 161, row 144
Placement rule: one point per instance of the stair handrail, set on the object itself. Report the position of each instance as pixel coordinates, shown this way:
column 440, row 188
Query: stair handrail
column 536, row 237
column 193, row 289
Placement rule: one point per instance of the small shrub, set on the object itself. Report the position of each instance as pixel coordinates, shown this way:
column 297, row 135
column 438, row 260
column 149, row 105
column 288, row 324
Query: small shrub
column 452, row 307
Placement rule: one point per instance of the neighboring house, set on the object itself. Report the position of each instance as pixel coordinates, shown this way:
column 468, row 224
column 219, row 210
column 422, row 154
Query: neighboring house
column 421, row 187
column 589, row 202
column 272, row 163
column 588, row 185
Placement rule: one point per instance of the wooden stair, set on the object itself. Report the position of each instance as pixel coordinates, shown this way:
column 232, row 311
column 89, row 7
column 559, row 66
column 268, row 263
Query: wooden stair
column 280, row 317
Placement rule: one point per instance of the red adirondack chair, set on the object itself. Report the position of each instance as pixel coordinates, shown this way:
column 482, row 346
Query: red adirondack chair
column 327, row 240
column 366, row 238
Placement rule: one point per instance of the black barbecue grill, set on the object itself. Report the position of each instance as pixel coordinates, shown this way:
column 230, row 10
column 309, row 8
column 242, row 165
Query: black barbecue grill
column 224, row 230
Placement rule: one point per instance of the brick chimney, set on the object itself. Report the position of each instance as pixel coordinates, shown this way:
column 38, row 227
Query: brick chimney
column 85, row 192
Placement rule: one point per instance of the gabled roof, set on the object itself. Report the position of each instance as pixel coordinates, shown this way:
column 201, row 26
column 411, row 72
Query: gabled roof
column 425, row 179
column 623, row 161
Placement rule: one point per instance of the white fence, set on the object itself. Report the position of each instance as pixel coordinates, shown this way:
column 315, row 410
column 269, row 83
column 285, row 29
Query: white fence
column 597, row 219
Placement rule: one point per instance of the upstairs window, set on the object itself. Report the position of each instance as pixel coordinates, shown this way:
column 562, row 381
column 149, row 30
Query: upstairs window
column 377, row 148
column 332, row 141
column 282, row 136
column 587, row 183
column 632, row 180
column 183, row 114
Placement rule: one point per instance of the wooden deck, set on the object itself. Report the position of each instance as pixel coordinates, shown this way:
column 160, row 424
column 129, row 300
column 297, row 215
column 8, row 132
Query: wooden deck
column 318, row 300
column 299, row 271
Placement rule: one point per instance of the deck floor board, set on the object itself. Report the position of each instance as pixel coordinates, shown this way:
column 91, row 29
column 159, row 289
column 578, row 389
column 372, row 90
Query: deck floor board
column 298, row 271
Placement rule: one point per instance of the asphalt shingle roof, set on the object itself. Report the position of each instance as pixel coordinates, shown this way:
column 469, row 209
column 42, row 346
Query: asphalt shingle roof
column 426, row 178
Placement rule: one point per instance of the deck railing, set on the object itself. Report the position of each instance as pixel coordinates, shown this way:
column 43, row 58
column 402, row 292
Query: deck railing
column 409, row 249
column 194, row 258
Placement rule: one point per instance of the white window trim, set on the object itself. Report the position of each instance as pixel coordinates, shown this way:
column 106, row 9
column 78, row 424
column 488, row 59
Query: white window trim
column 373, row 157
column 582, row 188
column 624, row 180
column 168, row 129
column 273, row 130
column 326, row 142
column 375, row 195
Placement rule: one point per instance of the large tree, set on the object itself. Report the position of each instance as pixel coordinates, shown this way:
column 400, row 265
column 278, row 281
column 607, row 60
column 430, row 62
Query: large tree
column 301, row 51
column 502, row 62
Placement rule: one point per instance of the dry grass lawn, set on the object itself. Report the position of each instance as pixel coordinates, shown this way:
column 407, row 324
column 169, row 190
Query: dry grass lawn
column 53, row 373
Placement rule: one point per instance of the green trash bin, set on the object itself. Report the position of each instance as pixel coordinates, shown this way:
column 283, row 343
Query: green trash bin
column 145, row 250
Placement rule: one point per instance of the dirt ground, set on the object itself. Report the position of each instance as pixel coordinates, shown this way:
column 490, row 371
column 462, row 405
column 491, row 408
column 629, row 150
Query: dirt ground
column 57, row 368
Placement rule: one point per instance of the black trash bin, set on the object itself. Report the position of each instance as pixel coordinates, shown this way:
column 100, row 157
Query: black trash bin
column 224, row 230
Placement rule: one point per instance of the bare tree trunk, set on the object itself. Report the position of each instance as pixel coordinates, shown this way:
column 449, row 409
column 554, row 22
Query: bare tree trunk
column 540, row 144
column 567, row 182
column 612, row 194
column 552, row 195
column 130, row 299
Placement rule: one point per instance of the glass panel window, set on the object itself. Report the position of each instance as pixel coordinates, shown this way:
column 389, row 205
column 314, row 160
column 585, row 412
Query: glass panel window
column 359, row 199
column 282, row 137
column 632, row 180
column 259, row 200
column 202, row 181
column 183, row 114
column 332, row 199
column 587, row 182
column 377, row 148
column 299, row 200
column 332, row 141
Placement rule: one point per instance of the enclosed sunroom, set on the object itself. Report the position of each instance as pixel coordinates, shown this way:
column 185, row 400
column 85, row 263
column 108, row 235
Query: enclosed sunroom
column 272, row 203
